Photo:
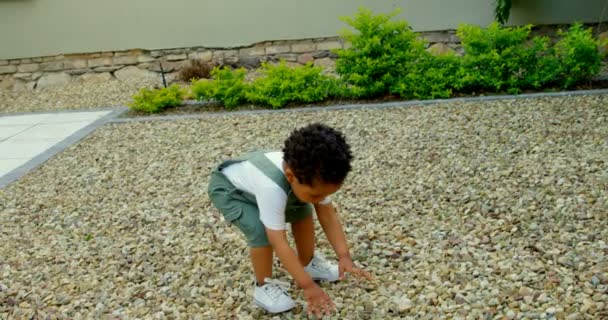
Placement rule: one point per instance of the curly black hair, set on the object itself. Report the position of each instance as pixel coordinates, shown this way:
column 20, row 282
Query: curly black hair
column 318, row 151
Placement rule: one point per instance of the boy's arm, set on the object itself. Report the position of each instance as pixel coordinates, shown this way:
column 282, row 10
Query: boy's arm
column 328, row 218
column 278, row 240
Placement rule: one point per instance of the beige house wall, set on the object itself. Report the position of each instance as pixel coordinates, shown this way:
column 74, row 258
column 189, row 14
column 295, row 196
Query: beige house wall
column 35, row 28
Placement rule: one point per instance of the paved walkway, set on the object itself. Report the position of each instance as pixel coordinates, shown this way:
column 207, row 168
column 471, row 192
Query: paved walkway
column 26, row 141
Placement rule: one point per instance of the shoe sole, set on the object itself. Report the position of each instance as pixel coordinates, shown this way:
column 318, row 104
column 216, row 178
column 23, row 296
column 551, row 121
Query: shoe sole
column 262, row 305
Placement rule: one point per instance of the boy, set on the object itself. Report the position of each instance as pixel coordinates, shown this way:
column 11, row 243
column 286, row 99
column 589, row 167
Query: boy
column 262, row 191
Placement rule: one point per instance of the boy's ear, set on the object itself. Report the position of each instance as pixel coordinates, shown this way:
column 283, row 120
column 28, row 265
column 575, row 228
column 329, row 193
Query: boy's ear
column 291, row 177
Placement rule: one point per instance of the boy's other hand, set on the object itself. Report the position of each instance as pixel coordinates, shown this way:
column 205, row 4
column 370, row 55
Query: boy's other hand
column 346, row 265
column 318, row 301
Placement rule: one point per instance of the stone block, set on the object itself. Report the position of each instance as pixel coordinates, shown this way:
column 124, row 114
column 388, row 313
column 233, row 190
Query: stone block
column 134, row 52
column 252, row 51
column 171, row 66
column 53, row 80
column 305, row 58
column 145, row 58
column 440, row 49
column 320, row 54
column 205, row 56
column 75, row 64
column 131, row 72
column 326, row 63
column 21, row 85
column 29, row 67
column 291, row 57
column 107, row 68
column 249, row 62
column 278, row 49
column 7, row 83
column 303, row 47
column 436, row 36
column 148, row 66
column 76, row 72
column 125, row 60
column 157, row 53
column 100, row 62
column 329, row 45
column 52, row 66
column 23, row 76
column 176, row 57
column 8, row 69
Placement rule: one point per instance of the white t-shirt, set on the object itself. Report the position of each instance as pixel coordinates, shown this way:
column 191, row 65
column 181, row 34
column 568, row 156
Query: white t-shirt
column 270, row 197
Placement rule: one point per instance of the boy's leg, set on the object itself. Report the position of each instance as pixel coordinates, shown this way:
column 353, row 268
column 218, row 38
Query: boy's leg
column 235, row 209
column 261, row 258
column 304, row 234
column 314, row 264
column 259, row 248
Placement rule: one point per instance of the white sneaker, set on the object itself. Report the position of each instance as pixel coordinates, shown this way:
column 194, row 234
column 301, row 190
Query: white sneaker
column 273, row 296
column 321, row 269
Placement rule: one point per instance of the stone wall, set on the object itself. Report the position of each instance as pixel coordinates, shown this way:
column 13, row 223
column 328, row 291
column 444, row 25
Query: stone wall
column 139, row 64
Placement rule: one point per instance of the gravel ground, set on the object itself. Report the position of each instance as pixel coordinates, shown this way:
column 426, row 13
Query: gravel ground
column 492, row 210
column 72, row 96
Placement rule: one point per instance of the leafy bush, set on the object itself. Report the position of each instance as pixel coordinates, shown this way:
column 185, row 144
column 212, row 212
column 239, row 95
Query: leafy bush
column 382, row 52
column 578, row 55
column 156, row 100
column 197, row 69
column 498, row 59
column 228, row 87
column 387, row 57
column 431, row 77
column 281, row 84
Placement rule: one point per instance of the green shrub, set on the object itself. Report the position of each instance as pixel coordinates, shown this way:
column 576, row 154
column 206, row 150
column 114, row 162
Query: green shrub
column 432, row 77
column 228, row 87
column 382, row 52
column 499, row 59
column 281, row 84
column 156, row 100
column 578, row 55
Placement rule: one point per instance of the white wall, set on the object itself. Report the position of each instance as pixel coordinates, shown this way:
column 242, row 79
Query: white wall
column 32, row 28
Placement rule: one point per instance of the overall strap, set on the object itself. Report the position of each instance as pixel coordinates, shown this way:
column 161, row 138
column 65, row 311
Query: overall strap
column 260, row 161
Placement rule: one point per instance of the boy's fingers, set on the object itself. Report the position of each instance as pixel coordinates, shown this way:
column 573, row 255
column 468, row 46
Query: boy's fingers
column 362, row 274
column 328, row 306
column 367, row 275
column 312, row 309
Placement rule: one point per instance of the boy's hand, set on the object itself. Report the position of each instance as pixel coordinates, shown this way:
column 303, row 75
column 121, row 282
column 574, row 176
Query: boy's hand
column 346, row 265
column 318, row 301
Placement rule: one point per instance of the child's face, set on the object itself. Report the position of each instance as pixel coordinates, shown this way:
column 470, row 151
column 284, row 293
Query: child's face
column 314, row 193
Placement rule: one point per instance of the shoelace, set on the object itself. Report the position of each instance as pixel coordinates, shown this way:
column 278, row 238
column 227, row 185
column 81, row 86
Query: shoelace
column 275, row 288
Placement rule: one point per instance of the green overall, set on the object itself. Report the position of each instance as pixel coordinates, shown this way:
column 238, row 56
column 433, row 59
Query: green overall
column 240, row 207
